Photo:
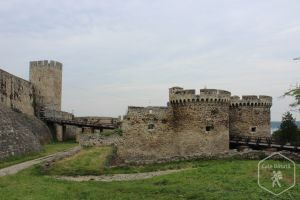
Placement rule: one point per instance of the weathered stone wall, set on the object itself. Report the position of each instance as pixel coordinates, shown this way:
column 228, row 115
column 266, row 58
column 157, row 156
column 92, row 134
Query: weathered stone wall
column 97, row 120
column 191, row 125
column 20, row 133
column 202, row 127
column 16, row 93
column 88, row 140
column 46, row 78
column 70, row 132
column 250, row 116
column 57, row 114
column 147, row 134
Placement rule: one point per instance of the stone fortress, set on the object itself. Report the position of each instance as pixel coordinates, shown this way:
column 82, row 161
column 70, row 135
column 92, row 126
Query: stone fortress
column 191, row 124
column 22, row 104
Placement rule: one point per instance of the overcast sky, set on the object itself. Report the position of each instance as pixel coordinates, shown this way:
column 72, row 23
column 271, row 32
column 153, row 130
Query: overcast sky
column 129, row 52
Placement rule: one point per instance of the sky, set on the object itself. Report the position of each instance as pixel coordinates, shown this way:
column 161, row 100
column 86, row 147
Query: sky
column 117, row 53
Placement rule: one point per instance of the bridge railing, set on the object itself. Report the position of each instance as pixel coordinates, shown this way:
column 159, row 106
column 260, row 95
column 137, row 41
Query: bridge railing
column 80, row 123
column 258, row 141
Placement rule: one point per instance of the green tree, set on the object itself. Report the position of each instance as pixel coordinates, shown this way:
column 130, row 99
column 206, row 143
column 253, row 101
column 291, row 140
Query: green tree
column 288, row 131
column 294, row 92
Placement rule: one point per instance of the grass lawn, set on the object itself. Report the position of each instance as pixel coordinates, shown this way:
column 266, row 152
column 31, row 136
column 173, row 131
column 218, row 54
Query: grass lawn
column 48, row 149
column 216, row 179
column 89, row 161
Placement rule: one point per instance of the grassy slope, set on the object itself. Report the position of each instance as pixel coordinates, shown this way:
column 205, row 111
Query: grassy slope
column 211, row 180
column 48, row 149
column 89, row 161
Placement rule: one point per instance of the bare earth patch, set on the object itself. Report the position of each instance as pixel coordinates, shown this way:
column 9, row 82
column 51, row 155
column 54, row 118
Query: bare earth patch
column 18, row 167
column 119, row 177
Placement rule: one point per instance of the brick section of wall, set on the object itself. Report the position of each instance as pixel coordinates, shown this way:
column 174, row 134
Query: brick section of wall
column 16, row 93
column 20, row 133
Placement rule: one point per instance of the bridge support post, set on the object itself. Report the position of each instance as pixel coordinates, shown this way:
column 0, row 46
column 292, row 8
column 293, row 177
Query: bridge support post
column 78, row 133
column 59, row 132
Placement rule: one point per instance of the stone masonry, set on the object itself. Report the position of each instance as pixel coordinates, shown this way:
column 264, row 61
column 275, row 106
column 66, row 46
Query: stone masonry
column 191, row 125
column 16, row 93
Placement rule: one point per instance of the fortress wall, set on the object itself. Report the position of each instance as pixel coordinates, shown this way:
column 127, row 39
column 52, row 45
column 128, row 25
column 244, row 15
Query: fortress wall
column 147, row 135
column 179, row 95
column 20, row 133
column 202, row 127
column 16, row 93
column 250, row 116
column 58, row 114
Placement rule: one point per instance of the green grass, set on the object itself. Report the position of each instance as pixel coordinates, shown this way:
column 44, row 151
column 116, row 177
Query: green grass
column 215, row 179
column 47, row 150
column 89, row 161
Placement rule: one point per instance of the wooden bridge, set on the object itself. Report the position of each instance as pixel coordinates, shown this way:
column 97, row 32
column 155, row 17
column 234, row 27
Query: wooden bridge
column 261, row 142
column 58, row 126
column 74, row 122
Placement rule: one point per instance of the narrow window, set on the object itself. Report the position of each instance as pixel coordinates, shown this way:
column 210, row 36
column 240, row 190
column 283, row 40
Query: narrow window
column 253, row 129
column 151, row 126
column 209, row 128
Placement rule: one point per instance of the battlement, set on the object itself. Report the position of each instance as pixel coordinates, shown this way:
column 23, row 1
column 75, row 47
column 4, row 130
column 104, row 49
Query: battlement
column 178, row 95
column 46, row 63
column 251, row 100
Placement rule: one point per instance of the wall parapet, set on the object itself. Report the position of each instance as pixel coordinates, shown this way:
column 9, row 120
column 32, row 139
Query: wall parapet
column 46, row 63
column 16, row 93
column 46, row 113
column 178, row 95
column 251, row 100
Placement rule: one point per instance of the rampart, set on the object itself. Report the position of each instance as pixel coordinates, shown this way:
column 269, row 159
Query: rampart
column 250, row 116
column 16, row 93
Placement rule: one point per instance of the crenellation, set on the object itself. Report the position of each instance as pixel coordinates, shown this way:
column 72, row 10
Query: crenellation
column 249, row 97
column 181, row 96
column 191, row 125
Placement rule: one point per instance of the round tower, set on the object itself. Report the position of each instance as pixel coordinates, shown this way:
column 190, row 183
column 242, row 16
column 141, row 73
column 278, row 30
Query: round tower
column 250, row 116
column 46, row 77
column 201, row 121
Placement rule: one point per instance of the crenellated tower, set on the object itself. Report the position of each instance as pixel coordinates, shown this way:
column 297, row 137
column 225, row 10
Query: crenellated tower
column 198, row 116
column 46, row 77
column 250, row 116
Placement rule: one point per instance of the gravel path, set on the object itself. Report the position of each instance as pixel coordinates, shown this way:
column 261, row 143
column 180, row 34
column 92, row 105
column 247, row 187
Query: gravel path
column 18, row 167
column 118, row 177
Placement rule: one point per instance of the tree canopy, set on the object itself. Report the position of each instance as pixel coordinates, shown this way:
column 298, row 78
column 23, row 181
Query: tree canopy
column 294, row 92
column 288, row 131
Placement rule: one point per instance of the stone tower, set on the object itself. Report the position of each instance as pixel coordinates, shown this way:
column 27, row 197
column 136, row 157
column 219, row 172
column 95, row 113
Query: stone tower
column 201, row 121
column 250, row 116
column 46, row 77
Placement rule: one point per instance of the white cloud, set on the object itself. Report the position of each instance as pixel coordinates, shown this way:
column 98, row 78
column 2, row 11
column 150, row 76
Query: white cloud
column 119, row 53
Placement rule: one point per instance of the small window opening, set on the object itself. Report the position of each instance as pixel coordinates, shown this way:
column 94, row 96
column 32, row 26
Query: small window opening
column 253, row 129
column 209, row 128
column 151, row 126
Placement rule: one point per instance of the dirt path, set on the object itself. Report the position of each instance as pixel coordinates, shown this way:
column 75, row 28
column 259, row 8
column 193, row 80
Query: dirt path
column 119, row 177
column 18, row 167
